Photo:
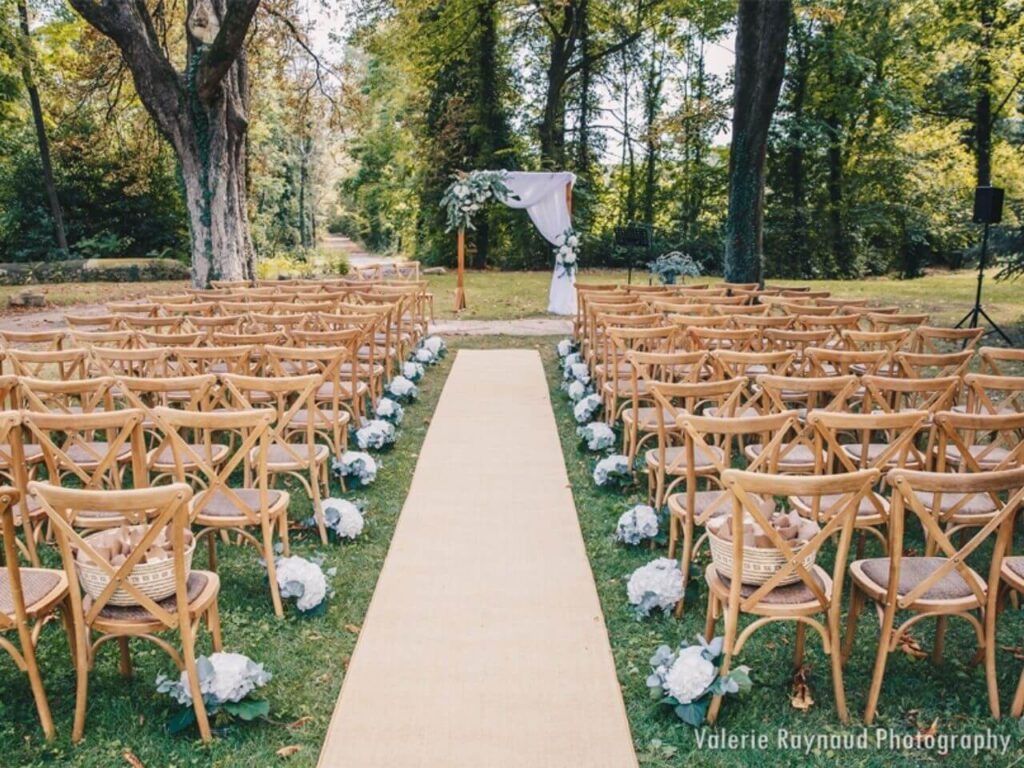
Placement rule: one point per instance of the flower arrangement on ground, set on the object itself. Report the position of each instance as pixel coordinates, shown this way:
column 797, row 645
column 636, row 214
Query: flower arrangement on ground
column 358, row 466
column 430, row 351
column 637, row 524
column 468, row 193
column 687, row 679
column 613, row 471
column 577, row 372
column 402, row 390
column 344, row 517
column 586, row 409
column 566, row 347
column 225, row 680
column 597, row 435
column 375, row 435
column 669, row 267
column 659, row 584
column 302, row 579
column 576, row 390
column 567, row 253
column 412, row 370
column 571, row 359
column 390, row 411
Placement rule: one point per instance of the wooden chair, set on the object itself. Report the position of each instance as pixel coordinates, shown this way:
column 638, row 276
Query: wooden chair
column 292, row 451
column 147, row 362
column 978, row 442
column 219, row 507
column 615, row 373
column 735, row 339
column 119, row 339
column 993, row 394
column 15, row 471
column 936, row 587
column 92, row 322
column 931, row 340
column 187, row 393
column 924, row 365
column 70, row 397
column 185, row 340
column 999, row 361
column 39, row 341
column 59, row 365
column 29, row 596
column 356, row 382
column 1011, row 575
column 159, row 511
column 841, row 362
column 814, row 594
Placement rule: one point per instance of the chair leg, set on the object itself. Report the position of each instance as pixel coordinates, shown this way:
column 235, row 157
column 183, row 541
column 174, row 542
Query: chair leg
column 836, row 657
column 82, row 643
column 282, row 532
column 731, row 628
column 673, row 534
column 990, row 658
column 1018, row 700
column 856, row 605
column 684, row 562
column 318, row 509
column 711, row 618
column 884, row 638
column 213, row 624
column 188, row 653
column 211, row 549
column 799, row 644
column 126, row 656
column 268, row 557
column 35, row 680
column 940, row 639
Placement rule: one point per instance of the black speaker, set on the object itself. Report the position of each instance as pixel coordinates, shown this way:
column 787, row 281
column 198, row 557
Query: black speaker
column 634, row 236
column 988, row 205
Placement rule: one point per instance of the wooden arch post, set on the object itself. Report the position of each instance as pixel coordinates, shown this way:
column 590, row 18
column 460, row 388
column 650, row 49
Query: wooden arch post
column 460, row 282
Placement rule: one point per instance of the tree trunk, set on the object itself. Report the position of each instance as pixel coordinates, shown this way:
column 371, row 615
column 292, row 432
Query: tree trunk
column 40, row 126
column 983, row 104
column 652, row 107
column 586, row 71
column 761, row 32
column 838, row 242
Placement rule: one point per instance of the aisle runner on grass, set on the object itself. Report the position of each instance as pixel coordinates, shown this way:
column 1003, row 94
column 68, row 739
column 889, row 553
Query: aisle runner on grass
column 484, row 644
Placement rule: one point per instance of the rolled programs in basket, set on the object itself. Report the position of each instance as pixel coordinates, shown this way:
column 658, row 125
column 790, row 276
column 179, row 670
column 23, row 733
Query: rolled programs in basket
column 789, row 525
column 116, row 545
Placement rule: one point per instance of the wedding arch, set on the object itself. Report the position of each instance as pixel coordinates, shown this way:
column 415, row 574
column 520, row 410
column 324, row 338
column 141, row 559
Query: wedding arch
column 547, row 198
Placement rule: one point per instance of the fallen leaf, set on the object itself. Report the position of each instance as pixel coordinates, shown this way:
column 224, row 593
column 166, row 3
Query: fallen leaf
column 300, row 722
column 132, row 760
column 911, row 647
column 288, row 751
column 1016, row 650
column 345, row 661
column 353, row 628
column 801, row 698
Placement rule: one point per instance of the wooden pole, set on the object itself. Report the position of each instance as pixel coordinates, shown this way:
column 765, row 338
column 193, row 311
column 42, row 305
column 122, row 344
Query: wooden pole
column 568, row 200
column 460, row 285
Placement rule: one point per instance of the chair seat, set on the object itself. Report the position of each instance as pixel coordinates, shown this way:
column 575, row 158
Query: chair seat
column 279, row 457
column 872, row 576
column 744, row 413
column 979, row 504
column 702, row 501
column 792, row 597
column 203, row 587
column 40, row 587
column 163, row 458
column 90, row 453
column 219, row 505
column 624, row 387
column 987, row 456
column 791, row 457
column 865, row 507
column 33, row 453
column 300, row 419
column 327, row 389
column 649, row 418
column 1013, row 572
column 874, row 452
column 675, row 458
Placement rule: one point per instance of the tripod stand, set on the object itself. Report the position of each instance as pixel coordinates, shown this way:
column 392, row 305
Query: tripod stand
column 978, row 311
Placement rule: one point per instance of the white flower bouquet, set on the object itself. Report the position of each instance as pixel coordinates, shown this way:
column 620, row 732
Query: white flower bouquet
column 689, row 678
column 637, row 524
column 586, row 409
column 597, row 435
column 302, row 579
column 577, row 372
column 613, row 471
column 576, row 390
column 566, row 347
column 343, row 517
column 413, row 371
column 659, row 584
column 567, row 252
column 390, row 411
column 571, row 359
column 358, row 466
column 468, row 192
column 225, row 681
column 430, row 351
column 375, row 435
column 402, row 390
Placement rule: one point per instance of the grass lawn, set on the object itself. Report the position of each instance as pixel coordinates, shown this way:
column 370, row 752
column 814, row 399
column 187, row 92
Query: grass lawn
column 306, row 655
column 945, row 295
column 71, row 294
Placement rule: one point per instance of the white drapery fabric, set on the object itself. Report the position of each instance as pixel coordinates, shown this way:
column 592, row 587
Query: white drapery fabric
column 543, row 197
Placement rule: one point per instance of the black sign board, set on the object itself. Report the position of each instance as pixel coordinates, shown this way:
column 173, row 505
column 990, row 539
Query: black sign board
column 633, row 236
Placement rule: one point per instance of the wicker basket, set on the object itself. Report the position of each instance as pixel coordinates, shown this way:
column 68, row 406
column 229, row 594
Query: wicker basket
column 155, row 580
column 759, row 563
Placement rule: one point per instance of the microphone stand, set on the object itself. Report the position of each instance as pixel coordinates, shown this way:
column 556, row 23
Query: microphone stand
column 978, row 311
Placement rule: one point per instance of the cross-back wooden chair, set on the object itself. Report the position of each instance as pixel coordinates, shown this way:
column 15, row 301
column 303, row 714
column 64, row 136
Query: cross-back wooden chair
column 39, row 341
column 932, row 340
column 718, row 438
column 783, row 340
column 803, row 308
column 61, row 364
column 356, row 381
column 978, row 442
column 823, row 361
column 148, row 362
column 210, row 325
column 929, row 365
column 639, row 420
column 28, row 596
column 292, row 451
column 185, row 340
column 187, row 393
column 669, row 459
column 849, row 442
column 889, row 342
column 199, row 361
column 93, row 322
column 731, row 364
column 889, row 395
column 118, row 339
column 814, row 598
column 174, row 324
column 891, row 321
column 134, row 308
column 736, row 339
column 159, row 512
column 993, row 394
column 835, row 324
column 256, row 343
column 15, row 472
column 1000, row 361
column 615, row 372
column 740, row 310
column 939, row 586
column 72, row 454
column 1011, row 576
column 220, row 505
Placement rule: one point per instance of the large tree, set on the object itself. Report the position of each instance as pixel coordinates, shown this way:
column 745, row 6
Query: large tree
column 202, row 111
column 762, row 29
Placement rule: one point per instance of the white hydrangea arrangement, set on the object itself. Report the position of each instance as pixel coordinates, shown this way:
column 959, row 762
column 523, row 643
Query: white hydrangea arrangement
column 358, row 466
column 687, row 679
column 344, row 517
column 402, row 390
column 637, row 524
column 430, row 351
column 577, row 372
column 413, row 371
column 597, row 435
column 390, row 411
column 375, row 435
column 565, row 348
column 586, row 409
column 659, row 584
column 567, row 252
column 302, row 579
column 576, row 390
column 571, row 359
column 225, row 681
column 467, row 194
column 613, row 471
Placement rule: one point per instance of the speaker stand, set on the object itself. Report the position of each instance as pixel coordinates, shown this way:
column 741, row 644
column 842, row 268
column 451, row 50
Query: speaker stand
column 972, row 318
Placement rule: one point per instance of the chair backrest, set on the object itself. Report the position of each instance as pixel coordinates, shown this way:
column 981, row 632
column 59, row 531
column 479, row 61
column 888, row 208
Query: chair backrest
column 981, row 442
column 842, row 362
column 119, row 339
column 148, row 362
column 92, row 322
column 62, row 364
column 198, row 361
column 887, row 341
column 912, row 489
column 882, row 393
column 731, row 364
column 187, row 393
column 838, row 498
column 931, row 340
column 994, row 394
column 67, row 397
column 15, row 473
column 176, row 340
column 890, row 321
column 1000, row 361
column 40, row 341
column 737, row 339
column 921, row 365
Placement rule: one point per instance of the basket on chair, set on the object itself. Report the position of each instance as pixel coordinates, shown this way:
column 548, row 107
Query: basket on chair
column 154, row 579
column 759, row 563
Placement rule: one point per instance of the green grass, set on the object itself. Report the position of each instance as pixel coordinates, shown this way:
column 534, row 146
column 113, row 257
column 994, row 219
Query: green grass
column 306, row 655
column 73, row 294
column 945, row 295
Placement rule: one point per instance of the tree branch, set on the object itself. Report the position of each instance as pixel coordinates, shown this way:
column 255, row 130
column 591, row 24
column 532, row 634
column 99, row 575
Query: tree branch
column 226, row 47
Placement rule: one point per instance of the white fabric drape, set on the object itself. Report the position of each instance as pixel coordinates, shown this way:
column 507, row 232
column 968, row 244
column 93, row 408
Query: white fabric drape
column 543, row 197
